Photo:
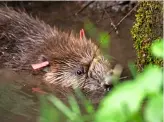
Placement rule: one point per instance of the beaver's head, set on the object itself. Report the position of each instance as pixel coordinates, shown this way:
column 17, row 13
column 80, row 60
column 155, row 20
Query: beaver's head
column 76, row 62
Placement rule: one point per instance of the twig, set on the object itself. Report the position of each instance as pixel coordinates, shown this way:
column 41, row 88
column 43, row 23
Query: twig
column 112, row 23
column 125, row 17
column 79, row 11
column 123, row 77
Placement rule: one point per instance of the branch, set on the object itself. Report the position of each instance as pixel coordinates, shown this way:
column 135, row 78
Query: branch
column 82, row 9
column 125, row 17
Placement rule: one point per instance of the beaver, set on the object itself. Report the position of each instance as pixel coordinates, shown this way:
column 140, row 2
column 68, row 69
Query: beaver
column 72, row 61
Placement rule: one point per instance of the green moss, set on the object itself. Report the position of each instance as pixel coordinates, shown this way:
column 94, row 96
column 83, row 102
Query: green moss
column 147, row 28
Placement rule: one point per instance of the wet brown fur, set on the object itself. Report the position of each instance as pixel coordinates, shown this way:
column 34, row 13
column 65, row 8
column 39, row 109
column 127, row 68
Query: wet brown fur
column 26, row 40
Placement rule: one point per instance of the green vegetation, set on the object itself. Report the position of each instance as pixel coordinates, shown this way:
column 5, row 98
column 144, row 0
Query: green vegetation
column 147, row 28
column 102, row 37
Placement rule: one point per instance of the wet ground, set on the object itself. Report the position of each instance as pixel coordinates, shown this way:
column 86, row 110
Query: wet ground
column 17, row 102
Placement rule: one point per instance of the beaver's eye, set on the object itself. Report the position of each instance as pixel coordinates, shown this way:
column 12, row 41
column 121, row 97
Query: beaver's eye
column 80, row 71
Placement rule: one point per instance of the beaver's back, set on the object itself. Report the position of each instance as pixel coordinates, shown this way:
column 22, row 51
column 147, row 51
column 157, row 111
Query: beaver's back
column 20, row 35
column 25, row 39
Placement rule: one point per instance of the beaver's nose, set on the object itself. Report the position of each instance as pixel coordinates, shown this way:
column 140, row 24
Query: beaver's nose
column 108, row 87
column 107, row 84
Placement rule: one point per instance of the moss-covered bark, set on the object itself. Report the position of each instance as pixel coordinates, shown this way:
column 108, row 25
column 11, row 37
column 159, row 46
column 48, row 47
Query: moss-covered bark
column 147, row 28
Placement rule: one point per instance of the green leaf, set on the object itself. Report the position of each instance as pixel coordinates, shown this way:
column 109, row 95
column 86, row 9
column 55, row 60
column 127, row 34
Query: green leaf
column 48, row 113
column 104, row 39
column 62, row 107
column 125, row 99
column 133, row 69
column 120, row 103
column 76, row 109
column 91, row 29
column 157, row 48
column 151, row 80
column 87, row 104
column 74, row 105
column 153, row 110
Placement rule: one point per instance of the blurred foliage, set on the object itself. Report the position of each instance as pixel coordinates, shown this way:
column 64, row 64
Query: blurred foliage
column 102, row 38
column 133, row 69
column 147, row 28
column 126, row 99
column 157, row 48
column 136, row 100
column 153, row 111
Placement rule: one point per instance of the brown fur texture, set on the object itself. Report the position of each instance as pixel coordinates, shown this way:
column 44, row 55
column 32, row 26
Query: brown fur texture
column 73, row 61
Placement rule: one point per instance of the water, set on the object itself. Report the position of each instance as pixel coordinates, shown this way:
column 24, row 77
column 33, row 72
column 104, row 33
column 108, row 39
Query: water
column 16, row 102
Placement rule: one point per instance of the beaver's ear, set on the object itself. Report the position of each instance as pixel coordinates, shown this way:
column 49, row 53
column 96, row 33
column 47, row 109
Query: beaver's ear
column 82, row 34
